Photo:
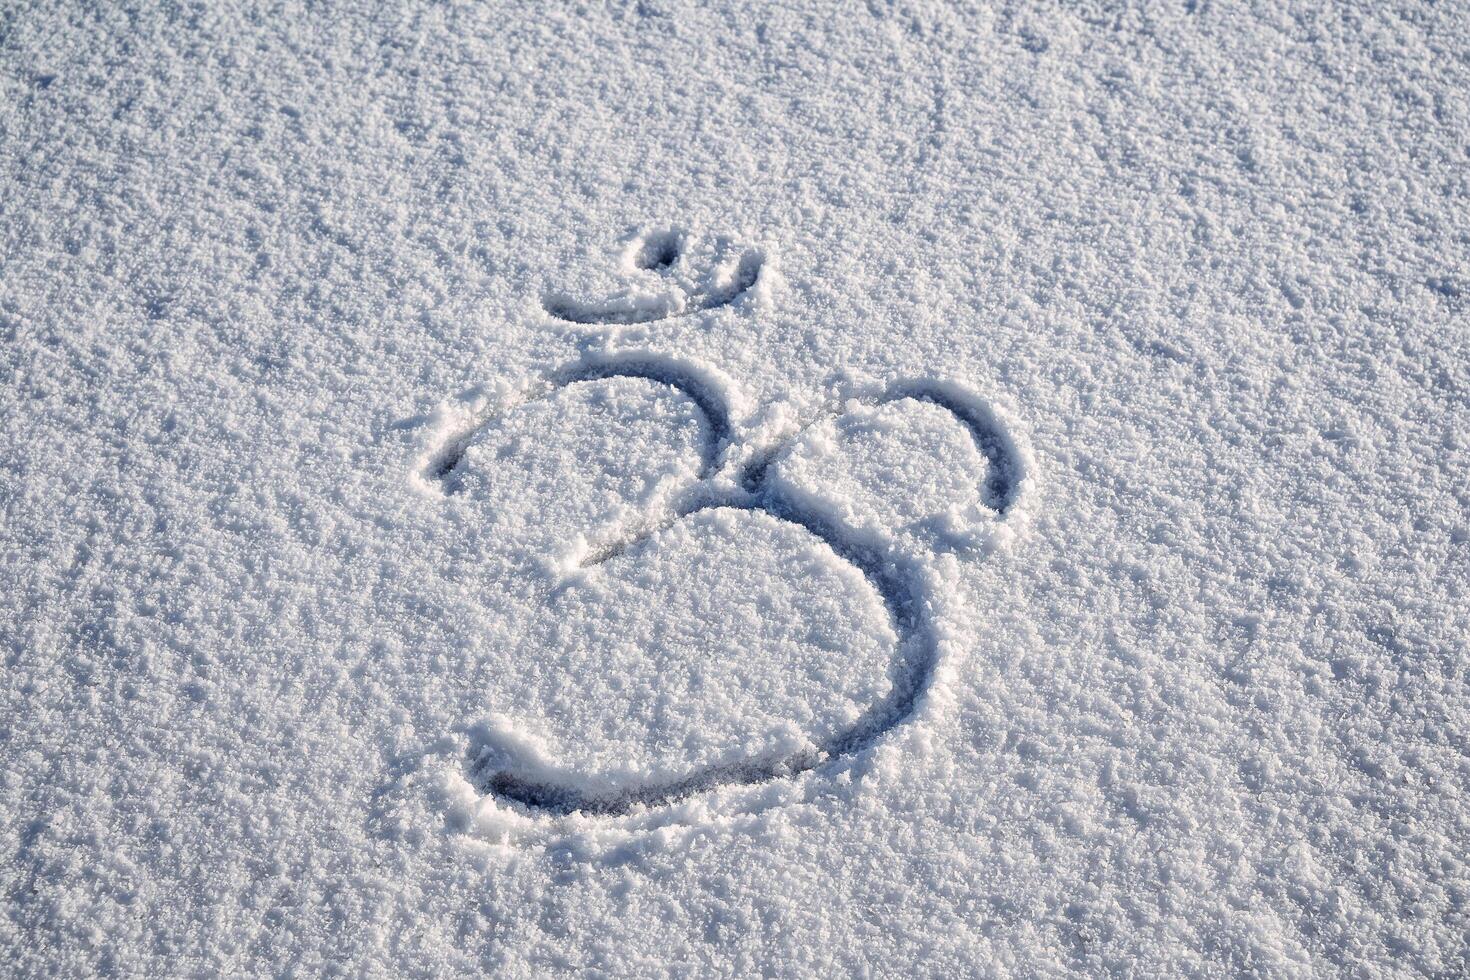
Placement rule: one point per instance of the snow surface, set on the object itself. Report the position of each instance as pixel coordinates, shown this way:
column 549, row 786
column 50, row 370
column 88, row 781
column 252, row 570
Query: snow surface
column 731, row 490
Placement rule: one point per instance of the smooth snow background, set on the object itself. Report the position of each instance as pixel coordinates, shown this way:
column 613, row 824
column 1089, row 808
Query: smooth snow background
column 1210, row 714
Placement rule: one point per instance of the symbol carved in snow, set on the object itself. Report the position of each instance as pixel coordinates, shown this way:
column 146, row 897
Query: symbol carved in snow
column 740, row 473
column 676, row 290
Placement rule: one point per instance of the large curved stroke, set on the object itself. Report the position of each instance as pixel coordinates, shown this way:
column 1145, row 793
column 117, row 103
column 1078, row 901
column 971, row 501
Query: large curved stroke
column 899, row 583
column 913, row 668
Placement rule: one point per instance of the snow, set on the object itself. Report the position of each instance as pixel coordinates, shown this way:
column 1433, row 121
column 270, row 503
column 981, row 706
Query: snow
column 801, row 490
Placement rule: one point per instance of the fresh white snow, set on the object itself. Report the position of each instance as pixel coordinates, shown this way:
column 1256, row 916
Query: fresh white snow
column 735, row 490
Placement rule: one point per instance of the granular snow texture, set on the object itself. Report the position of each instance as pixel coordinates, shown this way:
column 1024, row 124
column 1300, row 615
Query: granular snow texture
column 729, row 490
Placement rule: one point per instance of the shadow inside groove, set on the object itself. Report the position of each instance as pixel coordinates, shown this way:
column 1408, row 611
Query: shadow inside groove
column 660, row 250
column 717, row 418
column 594, row 314
column 443, row 467
column 1002, row 481
column 915, row 658
column 565, row 308
column 899, row 583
